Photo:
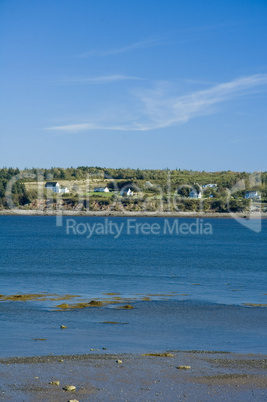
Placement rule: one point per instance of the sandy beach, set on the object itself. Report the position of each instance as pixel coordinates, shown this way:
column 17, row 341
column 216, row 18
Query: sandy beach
column 212, row 376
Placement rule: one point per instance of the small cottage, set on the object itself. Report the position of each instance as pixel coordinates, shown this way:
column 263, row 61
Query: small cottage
column 209, row 185
column 195, row 194
column 56, row 188
column 126, row 192
column 252, row 195
column 101, row 190
column 53, row 185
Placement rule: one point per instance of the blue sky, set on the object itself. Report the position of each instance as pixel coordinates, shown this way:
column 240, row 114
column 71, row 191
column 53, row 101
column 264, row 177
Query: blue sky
column 144, row 83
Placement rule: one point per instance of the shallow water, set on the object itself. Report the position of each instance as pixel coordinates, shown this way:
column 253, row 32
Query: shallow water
column 197, row 285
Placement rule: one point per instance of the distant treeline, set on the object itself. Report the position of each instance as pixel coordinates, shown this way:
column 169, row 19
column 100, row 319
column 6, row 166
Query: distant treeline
column 19, row 193
column 222, row 178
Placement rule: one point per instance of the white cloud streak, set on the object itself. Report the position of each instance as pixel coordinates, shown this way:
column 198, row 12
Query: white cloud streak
column 150, row 42
column 105, row 79
column 163, row 111
column 179, row 37
column 157, row 108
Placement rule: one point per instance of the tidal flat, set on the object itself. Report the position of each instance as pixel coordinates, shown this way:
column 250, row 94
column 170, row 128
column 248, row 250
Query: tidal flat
column 209, row 376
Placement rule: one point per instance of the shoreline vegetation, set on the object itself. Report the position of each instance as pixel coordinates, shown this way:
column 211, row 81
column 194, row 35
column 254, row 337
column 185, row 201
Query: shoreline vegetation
column 135, row 192
column 168, row 375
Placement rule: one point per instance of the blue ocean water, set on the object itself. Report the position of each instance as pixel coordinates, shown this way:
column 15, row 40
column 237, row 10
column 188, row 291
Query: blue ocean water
column 197, row 284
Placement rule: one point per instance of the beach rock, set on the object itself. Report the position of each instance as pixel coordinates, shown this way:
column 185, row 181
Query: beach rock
column 95, row 303
column 63, row 327
column 119, row 361
column 54, row 383
column 69, row 388
column 183, row 367
column 63, row 306
column 127, row 306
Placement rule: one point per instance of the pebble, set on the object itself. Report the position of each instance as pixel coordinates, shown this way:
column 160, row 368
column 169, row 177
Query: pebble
column 63, row 327
column 54, row 383
column 183, row 367
column 69, row 388
column 119, row 361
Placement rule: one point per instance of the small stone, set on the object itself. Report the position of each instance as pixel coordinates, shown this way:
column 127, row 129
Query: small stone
column 119, row 361
column 54, row 383
column 64, row 305
column 96, row 303
column 63, row 327
column 69, row 388
column 183, row 367
column 127, row 306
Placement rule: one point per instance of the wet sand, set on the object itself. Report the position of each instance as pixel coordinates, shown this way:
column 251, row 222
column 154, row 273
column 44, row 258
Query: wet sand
column 213, row 376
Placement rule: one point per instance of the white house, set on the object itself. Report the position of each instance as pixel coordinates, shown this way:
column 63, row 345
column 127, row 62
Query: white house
column 55, row 187
column 126, row 192
column 252, row 195
column 101, row 190
column 194, row 194
column 209, row 185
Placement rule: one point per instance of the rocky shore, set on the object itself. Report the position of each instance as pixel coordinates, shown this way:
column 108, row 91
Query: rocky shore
column 73, row 212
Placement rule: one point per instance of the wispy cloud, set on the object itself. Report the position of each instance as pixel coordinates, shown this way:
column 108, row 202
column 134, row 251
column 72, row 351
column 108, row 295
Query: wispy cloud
column 79, row 127
column 104, row 79
column 150, row 42
column 181, row 36
column 165, row 111
column 160, row 107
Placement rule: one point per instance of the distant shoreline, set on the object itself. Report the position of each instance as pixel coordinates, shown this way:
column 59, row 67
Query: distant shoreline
column 203, row 215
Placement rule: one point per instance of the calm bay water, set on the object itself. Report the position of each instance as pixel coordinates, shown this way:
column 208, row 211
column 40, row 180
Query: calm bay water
column 197, row 285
